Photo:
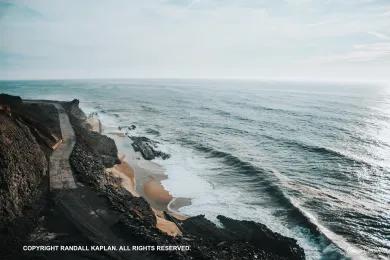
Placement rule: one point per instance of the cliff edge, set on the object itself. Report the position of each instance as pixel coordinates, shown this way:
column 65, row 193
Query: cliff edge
column 98, row 211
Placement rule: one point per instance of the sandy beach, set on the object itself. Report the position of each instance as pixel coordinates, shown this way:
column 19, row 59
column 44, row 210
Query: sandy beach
column 148, row 177
column 143, row 178
column 126, row 174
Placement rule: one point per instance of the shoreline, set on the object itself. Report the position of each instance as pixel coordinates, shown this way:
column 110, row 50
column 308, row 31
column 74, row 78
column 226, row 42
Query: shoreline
column 148, row 177
column 143, row 178
column 106, row 207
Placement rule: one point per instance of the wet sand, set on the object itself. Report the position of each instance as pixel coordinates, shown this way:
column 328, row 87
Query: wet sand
column 175, row 204
column 156, row 192
column 143, row 178
column 149, row 176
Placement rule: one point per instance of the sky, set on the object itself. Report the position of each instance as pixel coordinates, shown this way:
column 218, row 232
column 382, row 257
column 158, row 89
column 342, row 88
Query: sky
column 280, row 39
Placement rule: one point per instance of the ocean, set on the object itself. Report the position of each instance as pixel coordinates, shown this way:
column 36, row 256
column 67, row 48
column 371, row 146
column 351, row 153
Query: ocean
column 309, row 160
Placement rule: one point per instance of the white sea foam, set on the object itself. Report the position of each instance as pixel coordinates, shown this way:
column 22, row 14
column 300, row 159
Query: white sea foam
column 189, row 175
column 353, row 121
column 351, row 250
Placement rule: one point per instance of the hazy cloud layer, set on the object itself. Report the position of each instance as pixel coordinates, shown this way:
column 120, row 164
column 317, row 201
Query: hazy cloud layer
column 198, row 38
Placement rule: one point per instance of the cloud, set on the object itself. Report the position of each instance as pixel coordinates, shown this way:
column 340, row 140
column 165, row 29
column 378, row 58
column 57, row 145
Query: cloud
column 190, row 38
column 387, row 13
column 15, row 11
column 193, row 2
column 381, row 36
column 361, row 53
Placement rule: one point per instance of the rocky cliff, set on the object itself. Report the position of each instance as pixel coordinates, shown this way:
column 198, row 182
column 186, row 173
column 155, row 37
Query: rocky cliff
column 22, row 167
column 28, row 133
column 31, row 215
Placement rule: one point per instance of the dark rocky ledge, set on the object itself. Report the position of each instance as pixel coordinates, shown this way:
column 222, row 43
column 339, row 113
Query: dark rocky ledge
column 28, row 133
column 92, row 142
column 147, row 148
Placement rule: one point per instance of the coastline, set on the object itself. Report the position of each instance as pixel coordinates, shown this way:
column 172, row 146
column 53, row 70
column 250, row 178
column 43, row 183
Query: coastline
column 108, row 205
column 148, row 175
column 143, row 178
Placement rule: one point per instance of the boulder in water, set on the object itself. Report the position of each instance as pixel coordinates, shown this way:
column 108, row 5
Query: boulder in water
column 147, row 147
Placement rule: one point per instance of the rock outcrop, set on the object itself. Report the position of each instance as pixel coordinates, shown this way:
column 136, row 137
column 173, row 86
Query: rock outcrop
column 239, row 239
column 126, row 203
column 22, row 166
column 263, row 238
column 41, row 118
column 147, row 148
column 28, row 133
column 96, row 144
column 86, row 165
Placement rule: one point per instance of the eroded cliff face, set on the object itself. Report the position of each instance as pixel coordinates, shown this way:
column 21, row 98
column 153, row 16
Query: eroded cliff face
column 22, row 166
column 90, row 143
column 29, row 132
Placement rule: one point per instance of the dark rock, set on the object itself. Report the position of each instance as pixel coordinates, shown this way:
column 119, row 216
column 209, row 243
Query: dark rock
column 237, row 240
column 74, row 109
column 152, row 131
column 129, row 128
column 43, row 122
column 147, row 147
column 6, row 99
column 75, row 102
column 86, row 165
column 28, row 132
column 92, row 114
column 263, row 238
column 22, row 167
column 143, row 145
column 103, row 146
column 23, row 174
column 137, row 207
column 41, row 118
column 100, row 145
column 203, row 228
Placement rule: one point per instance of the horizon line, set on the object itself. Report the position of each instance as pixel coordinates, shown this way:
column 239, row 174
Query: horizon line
column 275, row 79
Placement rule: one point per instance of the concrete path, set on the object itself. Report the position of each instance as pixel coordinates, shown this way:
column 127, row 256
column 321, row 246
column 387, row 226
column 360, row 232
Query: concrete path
column 61, row 176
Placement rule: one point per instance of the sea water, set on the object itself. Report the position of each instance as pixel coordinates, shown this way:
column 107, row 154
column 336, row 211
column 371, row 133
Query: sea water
column 310, row 160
